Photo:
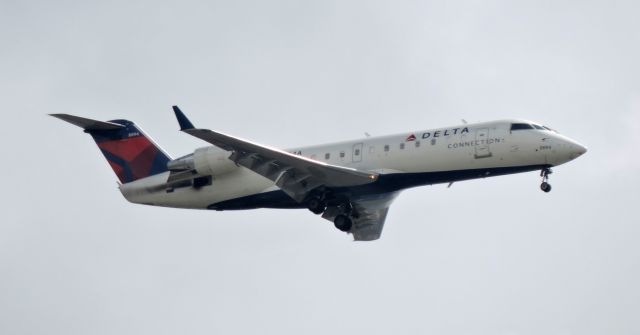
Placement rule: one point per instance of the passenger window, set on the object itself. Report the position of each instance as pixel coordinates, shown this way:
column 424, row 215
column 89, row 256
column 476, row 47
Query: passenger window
column 386, row 147
column 341, row 154
column 433, row 141
column 357, row 152
column 327, row 155
column 417, row 144
column 521, row 126
column 401, row 146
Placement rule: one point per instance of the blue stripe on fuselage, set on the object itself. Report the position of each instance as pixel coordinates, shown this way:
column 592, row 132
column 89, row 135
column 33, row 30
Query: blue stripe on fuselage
column 386, row 183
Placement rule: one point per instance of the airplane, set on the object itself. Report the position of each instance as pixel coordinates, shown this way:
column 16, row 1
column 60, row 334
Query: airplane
column 350, row 183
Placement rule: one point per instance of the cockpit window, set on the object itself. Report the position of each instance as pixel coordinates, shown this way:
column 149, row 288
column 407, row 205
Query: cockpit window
column 521, row 126
column 538, row 127
column 549, row 129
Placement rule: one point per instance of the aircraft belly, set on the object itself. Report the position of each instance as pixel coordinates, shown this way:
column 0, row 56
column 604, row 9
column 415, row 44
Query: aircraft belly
column 239, row 183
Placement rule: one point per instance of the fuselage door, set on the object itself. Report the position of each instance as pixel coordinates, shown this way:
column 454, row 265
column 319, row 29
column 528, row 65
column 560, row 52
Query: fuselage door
column 482, row 143
column 357, row 152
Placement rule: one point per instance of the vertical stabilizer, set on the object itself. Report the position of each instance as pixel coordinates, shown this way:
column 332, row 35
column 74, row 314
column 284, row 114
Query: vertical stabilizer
column 130, row 152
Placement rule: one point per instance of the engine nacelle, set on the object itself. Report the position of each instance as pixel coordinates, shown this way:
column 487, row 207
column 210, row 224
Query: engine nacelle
column 213, row 161
column 208, row 161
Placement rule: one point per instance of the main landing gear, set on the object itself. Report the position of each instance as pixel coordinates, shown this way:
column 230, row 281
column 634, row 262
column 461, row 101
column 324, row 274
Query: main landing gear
column 343, row 221
column 316, row 205
column 545, row 186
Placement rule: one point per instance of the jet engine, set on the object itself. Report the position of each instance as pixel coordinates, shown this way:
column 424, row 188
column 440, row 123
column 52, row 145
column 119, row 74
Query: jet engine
column 208, row 161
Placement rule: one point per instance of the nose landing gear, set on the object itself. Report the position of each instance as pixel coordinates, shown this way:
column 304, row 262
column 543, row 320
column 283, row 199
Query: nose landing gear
column 545, row 186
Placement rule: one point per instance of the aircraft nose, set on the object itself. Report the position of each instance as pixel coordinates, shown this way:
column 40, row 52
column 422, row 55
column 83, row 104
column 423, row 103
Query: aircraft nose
column 581, row 149
column 565, row 150
column 577, row 149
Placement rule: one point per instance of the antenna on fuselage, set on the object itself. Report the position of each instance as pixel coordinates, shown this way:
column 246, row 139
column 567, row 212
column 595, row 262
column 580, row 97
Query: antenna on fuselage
column 464, row 121
column 366, row 134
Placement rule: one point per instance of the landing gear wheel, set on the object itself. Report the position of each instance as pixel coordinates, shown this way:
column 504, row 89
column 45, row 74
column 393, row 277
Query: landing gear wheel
column 343, row 222
column 316, row 206
column 546, row 187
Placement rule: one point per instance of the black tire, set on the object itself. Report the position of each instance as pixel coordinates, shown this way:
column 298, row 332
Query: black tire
column 546, row 187
column 316, row 206
column 343, row 222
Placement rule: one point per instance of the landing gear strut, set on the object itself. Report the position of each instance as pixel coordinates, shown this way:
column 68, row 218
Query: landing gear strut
column 545, row 186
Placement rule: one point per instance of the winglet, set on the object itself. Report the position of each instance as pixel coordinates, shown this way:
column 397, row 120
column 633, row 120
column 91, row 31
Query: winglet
column 182, row 119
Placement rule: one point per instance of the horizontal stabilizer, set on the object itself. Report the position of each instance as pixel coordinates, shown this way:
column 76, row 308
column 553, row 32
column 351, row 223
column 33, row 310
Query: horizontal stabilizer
column 88, row 124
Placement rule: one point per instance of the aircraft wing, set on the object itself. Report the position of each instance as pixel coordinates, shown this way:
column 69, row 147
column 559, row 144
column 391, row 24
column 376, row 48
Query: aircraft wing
column 295, row 175
column 370, row 214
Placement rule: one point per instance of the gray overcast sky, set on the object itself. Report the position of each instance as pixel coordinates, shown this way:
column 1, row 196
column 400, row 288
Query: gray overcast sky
column 493, row 256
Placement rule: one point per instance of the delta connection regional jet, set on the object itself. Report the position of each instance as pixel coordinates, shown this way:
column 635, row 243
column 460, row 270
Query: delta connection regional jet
column 349, row 183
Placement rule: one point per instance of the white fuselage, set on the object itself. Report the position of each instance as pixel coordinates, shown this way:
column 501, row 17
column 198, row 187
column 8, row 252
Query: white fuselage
column 432, row 156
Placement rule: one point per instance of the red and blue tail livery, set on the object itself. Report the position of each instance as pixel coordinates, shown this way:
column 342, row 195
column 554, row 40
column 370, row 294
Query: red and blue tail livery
column 131, row 153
